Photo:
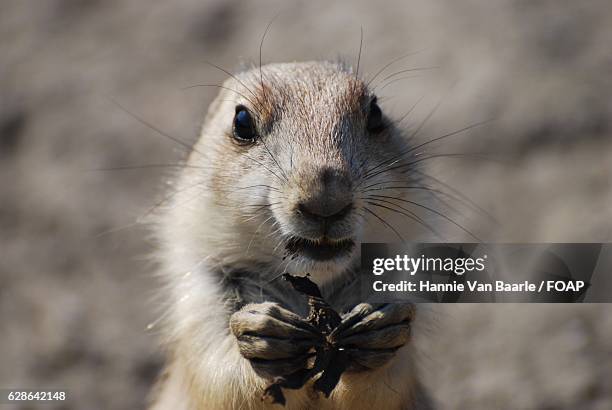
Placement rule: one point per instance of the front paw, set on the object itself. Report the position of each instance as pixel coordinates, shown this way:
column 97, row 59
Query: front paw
column 373, row 333
column 276, row 341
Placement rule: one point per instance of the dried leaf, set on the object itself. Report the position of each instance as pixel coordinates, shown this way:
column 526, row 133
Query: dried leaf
column 330, row 360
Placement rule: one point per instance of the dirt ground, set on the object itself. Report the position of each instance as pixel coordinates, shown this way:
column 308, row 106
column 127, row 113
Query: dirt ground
column 75, row 287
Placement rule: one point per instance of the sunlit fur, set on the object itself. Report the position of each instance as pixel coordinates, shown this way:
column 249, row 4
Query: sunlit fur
column 234, row 209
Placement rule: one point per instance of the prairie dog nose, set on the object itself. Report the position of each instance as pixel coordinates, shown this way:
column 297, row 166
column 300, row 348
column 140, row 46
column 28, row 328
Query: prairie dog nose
column 330, row 213
column 329, row 197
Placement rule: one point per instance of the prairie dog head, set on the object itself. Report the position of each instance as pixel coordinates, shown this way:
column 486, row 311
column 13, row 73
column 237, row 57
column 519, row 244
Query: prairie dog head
column 285, row 169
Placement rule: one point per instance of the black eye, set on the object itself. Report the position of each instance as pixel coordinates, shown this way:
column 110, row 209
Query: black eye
column 375, row 118
column 244, row 128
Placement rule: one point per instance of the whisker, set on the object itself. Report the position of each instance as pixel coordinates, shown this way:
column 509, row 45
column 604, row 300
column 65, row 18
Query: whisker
column 179, row 141
column 398, row 181
column 222, row 87
column 117, row 229
column 368, row 210
column 233, row 76
column 266, row 168
column 458, row 194
column 442, row 202
column 434, row 212
column 393, row 167
column 464, row 201
column 451, row 155
column 168, row 198
column 359, row 55
column 450, row 134
column 281, row 242
column 369, row 174
column 275, row 161
column 255, row 213
column 403, row 117
column 385, row 85
column 412, row 135
column 255, row 233
column 379, row 72
column 257, row 186
column 263, row 37
column 407, row 71
column 259, row 206
column 145, row 166
column 427, row 118
column 239, row 204
column 406, row 212
column 278, row 269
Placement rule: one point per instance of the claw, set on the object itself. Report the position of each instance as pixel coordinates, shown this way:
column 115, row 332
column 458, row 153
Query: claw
column 372, row 334
column 364, row 317
column 274, row 340
column 268, row 319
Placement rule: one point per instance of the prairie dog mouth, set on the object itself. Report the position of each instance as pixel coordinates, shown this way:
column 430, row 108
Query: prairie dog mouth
column 320, row 250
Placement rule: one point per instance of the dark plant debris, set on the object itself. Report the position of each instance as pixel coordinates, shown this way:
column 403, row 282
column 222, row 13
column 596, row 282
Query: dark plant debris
column 329, row 360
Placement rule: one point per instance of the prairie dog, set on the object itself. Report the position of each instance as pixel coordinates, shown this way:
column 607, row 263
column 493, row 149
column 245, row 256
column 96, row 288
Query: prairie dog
column 283, row 178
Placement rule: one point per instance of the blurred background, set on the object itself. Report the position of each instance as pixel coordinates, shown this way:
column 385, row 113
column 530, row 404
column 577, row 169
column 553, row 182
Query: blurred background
column 76, row 290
